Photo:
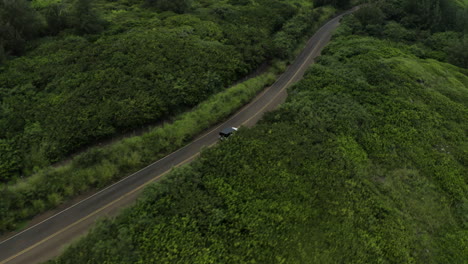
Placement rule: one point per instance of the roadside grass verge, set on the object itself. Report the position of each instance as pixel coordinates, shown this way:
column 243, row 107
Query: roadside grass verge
column 100, row 166
column 364, row 163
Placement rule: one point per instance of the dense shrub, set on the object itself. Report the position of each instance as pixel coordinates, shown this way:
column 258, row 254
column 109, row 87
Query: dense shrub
column 178, row 6
column 81, row 17
column 18, row 24
column 364, row 163
column 336, row 3
column 434, row 23
column 99, row 166
column 114, row 83
column 79, row 87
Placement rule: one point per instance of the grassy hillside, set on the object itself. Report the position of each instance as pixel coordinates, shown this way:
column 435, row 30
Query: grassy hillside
column 462, row 3
column 106, row 67
column 98, row 166
column 365, row 163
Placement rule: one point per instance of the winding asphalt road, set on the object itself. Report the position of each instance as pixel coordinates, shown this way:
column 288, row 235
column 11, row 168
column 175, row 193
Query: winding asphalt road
column 47, row 239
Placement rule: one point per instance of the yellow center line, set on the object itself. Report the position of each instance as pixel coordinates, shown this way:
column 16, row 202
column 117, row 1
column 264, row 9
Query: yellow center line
column 97, row 211
column 160, row 175
column 286, row 85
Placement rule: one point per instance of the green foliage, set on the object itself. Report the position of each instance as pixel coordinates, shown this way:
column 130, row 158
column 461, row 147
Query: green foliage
column 9, row 159
column 364, row 163
column 370, row 14
column 458, row 53
column 39, row 4
column 18, row 24
column 99, row 166
column 68, row 91
column 240, row 2
column 177, row 6
column 337, row 3
column 2, row 53
column 285, row 41
column 438, row 24
column 397, row 32
column 54, row 15
column 82, row 18
column 434, row 15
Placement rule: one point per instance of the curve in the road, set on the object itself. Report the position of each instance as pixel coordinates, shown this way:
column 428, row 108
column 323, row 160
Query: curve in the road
column 47, row 238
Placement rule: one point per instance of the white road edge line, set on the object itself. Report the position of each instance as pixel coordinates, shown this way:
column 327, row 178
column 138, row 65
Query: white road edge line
column 131, row 175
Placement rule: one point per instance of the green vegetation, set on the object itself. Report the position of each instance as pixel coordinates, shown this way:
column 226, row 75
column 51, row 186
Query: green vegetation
column 436, row 28
column 97, row 167
column 365, row 163
column 178, row 6
column 18, row 23
column 100, row 68
column 359, row 166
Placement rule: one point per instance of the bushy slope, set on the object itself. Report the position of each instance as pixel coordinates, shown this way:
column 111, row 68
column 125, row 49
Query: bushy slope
column 70, row 90
column 130, row 50
column 365, row 163
column 462, row 3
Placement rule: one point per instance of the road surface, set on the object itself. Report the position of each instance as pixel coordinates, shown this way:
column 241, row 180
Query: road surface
column 48, row 238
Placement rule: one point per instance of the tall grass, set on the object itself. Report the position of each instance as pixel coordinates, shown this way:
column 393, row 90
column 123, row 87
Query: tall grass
column 100, row 166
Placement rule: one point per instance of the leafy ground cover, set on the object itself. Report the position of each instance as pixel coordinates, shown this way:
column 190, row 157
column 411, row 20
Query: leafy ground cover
column 365, row 163
column 99, row 166
column 105, row 67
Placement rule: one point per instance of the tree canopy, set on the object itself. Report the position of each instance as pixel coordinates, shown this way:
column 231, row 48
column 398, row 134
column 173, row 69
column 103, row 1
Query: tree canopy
column 104, row 68
column 364, row 163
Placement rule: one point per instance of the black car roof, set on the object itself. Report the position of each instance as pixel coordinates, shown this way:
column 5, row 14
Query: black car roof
column 227, row 130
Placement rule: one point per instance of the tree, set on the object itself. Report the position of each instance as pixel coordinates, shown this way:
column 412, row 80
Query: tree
column 240, row 2
column 55, row 18
column 370, row 15
column 424, row 14
column 2, row 52
column 177, row 6
column 9, row 160
column 337, row 3
column 18, row 24
column 397, row 32
column 84, row 19
column 458, row 53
